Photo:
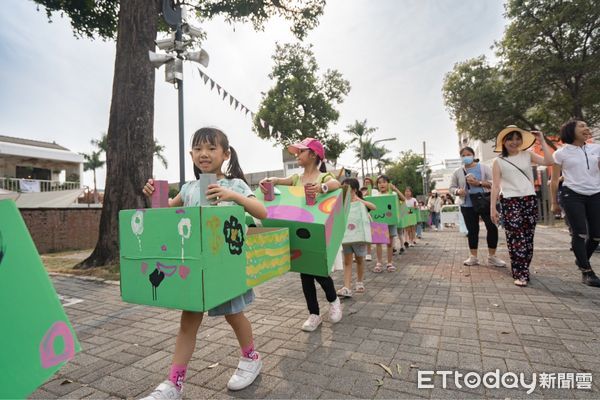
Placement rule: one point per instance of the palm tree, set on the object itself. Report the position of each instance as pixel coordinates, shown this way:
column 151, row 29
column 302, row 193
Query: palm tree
column 93, row 162
column 360, row 131
column 378, row 152
column 102, row 145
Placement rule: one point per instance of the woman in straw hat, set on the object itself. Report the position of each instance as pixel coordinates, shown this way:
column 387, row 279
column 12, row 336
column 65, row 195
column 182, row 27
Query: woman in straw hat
column 580, row 194
column 512, row 176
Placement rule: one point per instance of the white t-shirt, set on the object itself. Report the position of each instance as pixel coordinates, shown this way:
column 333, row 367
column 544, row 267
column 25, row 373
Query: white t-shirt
column 580, row 167
column 412, row 202
column 514, row 183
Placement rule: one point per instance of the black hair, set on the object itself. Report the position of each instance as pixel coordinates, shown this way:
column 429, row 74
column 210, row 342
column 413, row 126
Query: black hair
column 384, row 177
column 319, row 162
column 567, row 131
column 354, row 185
column 215, row 137
column 508, row 136
column 409, row 188
column 467, row 148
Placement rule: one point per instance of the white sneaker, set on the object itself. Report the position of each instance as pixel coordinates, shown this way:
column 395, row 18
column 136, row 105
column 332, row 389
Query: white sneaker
column 472, row 260
column 311, row 323
column 496, row 262
column 165, row 391
column 335, row 311
column 368, row 257
column 246, row 372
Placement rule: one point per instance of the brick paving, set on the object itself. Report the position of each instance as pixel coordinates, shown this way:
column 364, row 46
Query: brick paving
column 432, row 314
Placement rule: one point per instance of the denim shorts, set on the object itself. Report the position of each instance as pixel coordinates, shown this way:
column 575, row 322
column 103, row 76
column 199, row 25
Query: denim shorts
column 360, row 249
column 233, row 306
column 393, row 230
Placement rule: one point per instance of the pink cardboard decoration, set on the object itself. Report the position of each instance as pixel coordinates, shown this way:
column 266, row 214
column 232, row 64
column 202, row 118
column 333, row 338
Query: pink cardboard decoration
column 379, row 233
column 160, row 196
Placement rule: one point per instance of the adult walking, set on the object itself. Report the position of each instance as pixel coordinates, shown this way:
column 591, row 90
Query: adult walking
column 580, row 194
column 513, row 178
column 435, row 207
column 471, row 183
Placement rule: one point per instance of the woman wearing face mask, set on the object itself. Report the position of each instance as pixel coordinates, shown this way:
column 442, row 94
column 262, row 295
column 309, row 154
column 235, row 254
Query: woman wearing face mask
column 473, row 180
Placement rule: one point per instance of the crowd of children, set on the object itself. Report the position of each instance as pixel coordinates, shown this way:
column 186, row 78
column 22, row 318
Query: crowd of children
column 210, row 150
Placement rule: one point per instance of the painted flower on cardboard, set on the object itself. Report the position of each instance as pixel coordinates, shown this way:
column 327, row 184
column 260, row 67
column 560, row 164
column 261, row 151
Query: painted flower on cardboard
column 234, row 235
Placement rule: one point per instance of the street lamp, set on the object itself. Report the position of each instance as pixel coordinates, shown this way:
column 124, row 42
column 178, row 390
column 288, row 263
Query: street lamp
column 378, row 141
column 175, row 48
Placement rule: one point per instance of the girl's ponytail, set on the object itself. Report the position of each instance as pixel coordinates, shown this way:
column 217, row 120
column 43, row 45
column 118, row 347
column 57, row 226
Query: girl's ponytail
column 233, row 169
column 322, row 167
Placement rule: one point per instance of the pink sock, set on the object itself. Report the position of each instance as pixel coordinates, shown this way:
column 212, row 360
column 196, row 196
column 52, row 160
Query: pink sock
column 177, row 375
column 249, row 352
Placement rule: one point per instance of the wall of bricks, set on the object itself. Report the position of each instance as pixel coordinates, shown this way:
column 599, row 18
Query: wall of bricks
column 62, row 229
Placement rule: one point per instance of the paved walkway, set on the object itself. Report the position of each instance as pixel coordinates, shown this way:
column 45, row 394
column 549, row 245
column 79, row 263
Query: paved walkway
column 432, row 314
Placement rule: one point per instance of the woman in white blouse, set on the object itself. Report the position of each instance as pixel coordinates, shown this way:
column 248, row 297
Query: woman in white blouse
column 512, row 176
column 580, row 194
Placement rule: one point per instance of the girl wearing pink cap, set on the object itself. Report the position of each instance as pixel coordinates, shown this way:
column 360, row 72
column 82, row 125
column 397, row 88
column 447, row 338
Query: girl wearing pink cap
column 311, row 156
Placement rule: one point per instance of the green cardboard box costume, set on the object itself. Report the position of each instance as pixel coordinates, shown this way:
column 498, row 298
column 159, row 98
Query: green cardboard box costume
column 358, row 227
column 388, row 209
column 316, row 231
column 196, row 258
column 37, row 335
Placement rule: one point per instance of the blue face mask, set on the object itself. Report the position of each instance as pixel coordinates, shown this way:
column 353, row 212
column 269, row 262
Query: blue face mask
column 467, row 160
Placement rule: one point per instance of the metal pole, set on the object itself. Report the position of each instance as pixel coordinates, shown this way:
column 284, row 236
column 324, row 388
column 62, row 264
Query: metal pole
column 179, row 38
column 425, row 177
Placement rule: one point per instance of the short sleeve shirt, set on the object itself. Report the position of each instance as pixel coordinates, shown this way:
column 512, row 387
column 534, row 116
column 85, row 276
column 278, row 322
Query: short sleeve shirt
column 191, row 196
column 580, row 167
column 323, row 177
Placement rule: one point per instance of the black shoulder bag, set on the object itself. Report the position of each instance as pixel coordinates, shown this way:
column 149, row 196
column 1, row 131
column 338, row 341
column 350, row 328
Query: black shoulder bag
column 480, row 201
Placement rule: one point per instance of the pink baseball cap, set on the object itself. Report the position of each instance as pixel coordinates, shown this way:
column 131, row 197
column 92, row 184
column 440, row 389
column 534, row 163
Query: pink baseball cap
column 308, row 143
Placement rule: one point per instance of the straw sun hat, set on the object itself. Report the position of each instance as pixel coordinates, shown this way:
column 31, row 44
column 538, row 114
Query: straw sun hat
column 528, row 138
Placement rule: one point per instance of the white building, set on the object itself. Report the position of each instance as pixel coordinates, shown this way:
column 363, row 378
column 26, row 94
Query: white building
column 39, row 174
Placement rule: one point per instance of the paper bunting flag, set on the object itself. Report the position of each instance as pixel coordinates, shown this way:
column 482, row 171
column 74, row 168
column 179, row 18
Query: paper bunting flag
column 205, row 78
column 201, row 73
column 262, row 123
column 270, row 130
column 224, row 94
column 237, row 104
column 212, row 84
column 247, row 111
column 218, row 89
column 231, row 99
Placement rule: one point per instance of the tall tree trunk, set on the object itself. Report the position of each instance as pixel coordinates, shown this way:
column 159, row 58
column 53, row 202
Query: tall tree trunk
column 130, row 129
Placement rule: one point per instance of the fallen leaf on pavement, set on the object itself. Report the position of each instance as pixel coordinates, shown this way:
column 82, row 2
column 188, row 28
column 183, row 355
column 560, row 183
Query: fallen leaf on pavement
column 386, row 368
column 213, row 365
column 414, row 366
column 398, row 368
column 379, row 382
column 66, row 382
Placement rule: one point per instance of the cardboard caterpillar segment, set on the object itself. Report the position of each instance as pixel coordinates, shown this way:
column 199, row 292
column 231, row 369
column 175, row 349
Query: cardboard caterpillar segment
column 316, row 231
column 388, row 209
column 37, row 334
column 196, row 258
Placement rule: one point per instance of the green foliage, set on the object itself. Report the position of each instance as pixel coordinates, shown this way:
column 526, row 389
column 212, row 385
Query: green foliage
column 404, row 172
column 92, row 161
column 99, row 18
column 102, row 145
column 300, row 104
column 547, row 71
column 334, row 147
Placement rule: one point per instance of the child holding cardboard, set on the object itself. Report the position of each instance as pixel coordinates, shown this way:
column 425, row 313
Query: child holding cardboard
column 358, row 218
column 210, row 149
column 315, row 179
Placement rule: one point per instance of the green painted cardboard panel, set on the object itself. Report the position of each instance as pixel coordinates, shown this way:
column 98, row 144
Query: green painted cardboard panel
column 37, row 335
column 316, row 231
column 191, row 258
column 224, row 258
column 388, row 208
column 424, row 216
column 267, row 254
column 358, row 229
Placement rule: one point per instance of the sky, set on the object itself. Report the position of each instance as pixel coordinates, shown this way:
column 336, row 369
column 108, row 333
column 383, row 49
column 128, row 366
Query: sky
column 395, row 53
